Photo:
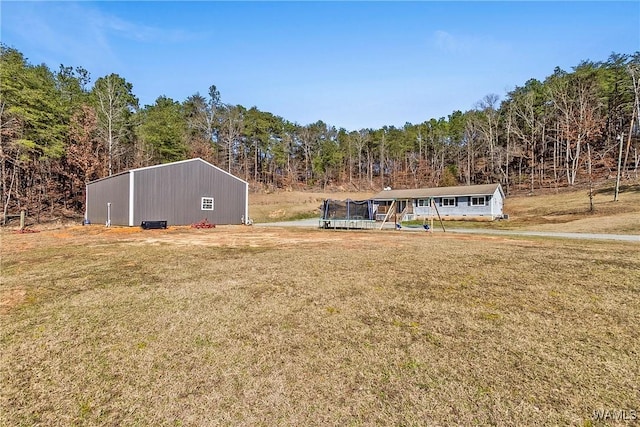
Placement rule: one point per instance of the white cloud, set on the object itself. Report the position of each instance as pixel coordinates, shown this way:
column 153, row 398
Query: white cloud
column 78, row 34
column 466, row 44
column 445, row 41
column 138, row 32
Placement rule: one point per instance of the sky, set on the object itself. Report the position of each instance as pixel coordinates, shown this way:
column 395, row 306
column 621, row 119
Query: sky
column 351, row 64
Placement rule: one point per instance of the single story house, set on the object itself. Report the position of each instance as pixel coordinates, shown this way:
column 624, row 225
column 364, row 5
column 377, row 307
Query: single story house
column 461, row 202
column 180, row 193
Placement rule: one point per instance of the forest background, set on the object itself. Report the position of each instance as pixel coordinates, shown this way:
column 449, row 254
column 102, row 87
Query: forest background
column 60, row 129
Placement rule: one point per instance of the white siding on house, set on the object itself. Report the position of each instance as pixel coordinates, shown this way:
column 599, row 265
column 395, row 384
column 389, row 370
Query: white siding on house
column 461, row 202
column 463, row 207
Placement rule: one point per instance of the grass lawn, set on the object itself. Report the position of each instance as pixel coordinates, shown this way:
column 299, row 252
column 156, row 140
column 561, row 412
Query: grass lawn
column 272, row 326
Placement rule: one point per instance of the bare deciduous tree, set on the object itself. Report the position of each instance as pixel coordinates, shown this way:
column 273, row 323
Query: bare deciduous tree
column 115, row 105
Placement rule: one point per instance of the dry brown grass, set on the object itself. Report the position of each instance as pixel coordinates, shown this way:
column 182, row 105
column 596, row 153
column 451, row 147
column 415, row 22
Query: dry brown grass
column 271, row 326
column 569, row 211
column 285, row 205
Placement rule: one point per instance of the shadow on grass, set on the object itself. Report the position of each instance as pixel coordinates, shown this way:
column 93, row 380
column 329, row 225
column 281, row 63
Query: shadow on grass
column 628, row 188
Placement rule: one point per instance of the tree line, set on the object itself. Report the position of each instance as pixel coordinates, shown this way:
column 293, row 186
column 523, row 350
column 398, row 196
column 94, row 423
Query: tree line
column 59, row 131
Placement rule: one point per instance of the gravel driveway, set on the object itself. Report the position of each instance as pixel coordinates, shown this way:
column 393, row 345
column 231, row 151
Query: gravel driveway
column 314, row 223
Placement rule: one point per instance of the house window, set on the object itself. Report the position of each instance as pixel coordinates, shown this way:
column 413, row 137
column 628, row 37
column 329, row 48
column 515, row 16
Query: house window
column 206, row 204
column 478, row 201
column 423, row 202
column 448, row 201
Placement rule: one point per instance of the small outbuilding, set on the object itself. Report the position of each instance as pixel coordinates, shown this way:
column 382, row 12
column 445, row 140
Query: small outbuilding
column 180, row 193
column 461, row 202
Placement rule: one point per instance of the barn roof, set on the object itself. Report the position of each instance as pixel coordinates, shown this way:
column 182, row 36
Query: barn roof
column 419, row 193
column 196, row 159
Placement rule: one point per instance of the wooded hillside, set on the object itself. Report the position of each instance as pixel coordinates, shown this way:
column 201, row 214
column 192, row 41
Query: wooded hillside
column 60, row 130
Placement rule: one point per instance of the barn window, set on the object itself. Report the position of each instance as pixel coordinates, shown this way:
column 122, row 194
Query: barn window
column 448, row 201
column 206, row 204
column 478, row 201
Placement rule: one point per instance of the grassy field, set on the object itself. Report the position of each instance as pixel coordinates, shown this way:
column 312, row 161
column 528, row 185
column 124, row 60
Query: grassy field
column 568, row 210
column 273, row 326
column 291, row 205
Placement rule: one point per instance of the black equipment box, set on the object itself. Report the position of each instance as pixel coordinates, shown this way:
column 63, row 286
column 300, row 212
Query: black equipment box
column 148, row 225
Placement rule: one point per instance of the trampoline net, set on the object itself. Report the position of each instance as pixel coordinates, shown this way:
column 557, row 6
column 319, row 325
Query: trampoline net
column 347, row 209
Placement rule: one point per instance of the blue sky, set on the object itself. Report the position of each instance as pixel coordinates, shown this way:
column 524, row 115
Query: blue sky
column 351, row 64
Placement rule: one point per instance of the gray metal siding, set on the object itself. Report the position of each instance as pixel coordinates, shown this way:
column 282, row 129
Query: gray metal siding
column 174, row 192
column 114, row 190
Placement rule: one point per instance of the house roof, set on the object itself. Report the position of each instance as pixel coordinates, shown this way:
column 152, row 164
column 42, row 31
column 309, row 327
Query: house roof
column 419, row 193
column 196, row 159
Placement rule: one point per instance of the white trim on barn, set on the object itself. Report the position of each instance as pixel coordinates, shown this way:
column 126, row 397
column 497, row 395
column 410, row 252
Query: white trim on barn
column 246, row 218
column 131, row 197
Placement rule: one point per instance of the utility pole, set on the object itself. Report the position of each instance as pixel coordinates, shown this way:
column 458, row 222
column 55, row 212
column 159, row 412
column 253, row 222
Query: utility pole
column 621, row 138
column 590, row 179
